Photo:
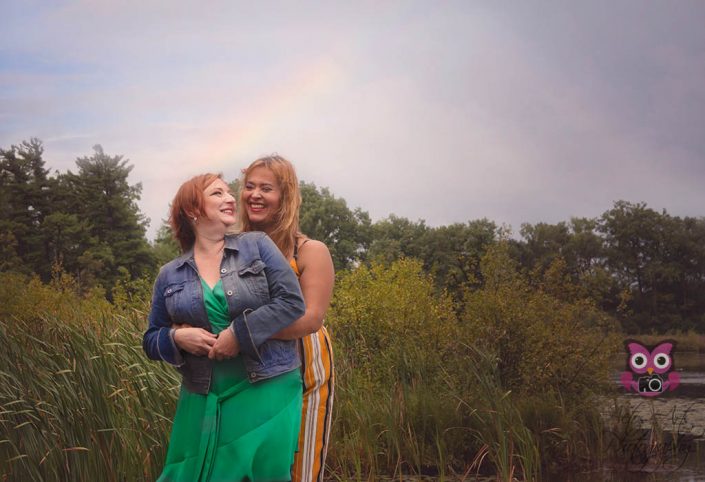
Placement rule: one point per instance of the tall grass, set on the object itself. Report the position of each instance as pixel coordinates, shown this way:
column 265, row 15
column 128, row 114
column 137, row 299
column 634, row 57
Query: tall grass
column 509, row 391
column 505, row 439
column 78, row 401
column 418, row 393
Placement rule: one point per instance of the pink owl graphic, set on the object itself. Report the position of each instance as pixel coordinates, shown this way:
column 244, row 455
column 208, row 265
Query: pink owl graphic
column 651, row 367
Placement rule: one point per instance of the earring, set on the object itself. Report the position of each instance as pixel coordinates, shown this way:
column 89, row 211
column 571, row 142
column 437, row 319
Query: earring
column 195, row 219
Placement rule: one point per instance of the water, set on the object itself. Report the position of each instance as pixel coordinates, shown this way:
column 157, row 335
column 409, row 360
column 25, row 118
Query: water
column 680, row 413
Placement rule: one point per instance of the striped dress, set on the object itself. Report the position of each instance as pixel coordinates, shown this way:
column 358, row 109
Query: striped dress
column 318, row 376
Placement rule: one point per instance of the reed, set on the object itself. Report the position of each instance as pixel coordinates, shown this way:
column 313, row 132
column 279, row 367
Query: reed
column 78, row 400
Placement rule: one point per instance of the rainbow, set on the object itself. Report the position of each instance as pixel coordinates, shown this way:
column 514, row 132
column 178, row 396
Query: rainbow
column 232, row 146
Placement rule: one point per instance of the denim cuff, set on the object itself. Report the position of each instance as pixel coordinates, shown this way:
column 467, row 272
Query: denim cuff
column 166, row 346
column 244, row 336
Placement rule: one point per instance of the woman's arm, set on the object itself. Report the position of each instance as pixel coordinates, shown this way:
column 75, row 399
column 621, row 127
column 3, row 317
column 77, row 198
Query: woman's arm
column 254, row 327
column 162, row 341
column 158, row 341
column 317, row 279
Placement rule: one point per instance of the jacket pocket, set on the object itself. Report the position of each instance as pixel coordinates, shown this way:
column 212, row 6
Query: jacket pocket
column 255, row 279
column 254, row 268
column 174, row 300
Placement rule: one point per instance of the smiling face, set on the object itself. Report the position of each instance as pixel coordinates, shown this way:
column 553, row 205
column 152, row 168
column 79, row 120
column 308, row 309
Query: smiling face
column 261, row 198
column 218, row 204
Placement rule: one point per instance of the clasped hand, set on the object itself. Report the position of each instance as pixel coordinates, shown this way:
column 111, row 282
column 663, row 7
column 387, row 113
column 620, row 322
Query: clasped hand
column 198, row 341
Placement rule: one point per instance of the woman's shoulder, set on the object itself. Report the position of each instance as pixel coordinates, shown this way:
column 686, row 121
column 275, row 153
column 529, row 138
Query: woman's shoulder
column 175, row 263
column 168, row 271
column 250, row 243
column 312, row 251
column 307, row 244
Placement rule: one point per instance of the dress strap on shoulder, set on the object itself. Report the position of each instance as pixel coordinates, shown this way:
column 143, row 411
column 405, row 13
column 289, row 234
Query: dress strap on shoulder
column 296, row 247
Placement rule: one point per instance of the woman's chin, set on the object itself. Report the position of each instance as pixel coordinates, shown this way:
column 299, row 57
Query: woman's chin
column 258, row 222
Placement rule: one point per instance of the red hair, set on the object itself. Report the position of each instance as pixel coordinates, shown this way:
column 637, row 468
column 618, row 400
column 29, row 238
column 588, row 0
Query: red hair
column 187, row 206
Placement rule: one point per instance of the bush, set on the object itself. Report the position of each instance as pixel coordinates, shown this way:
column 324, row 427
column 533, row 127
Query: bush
column 543, row 340
column 394, row 342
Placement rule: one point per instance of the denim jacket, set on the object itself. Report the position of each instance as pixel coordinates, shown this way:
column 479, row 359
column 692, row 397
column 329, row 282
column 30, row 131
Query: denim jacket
column 263, row 297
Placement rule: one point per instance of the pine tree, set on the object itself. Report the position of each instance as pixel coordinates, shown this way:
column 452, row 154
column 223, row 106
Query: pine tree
column 24, row 203
column 102, row 196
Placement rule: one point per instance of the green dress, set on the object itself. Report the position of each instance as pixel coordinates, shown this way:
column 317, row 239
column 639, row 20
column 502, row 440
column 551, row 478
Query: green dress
column 240, row 431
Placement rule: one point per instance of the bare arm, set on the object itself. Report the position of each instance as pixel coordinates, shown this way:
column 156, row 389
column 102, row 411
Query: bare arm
column 317, row 278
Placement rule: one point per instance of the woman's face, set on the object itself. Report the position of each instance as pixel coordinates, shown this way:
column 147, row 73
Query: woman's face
column 219, row 203
column 261, row 196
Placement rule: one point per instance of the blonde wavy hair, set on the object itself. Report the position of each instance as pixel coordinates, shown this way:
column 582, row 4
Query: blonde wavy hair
column 286, row 222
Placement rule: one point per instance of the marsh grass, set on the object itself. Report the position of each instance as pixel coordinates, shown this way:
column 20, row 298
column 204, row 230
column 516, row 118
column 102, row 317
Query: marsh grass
column 421, row 393
column 500, row 430
column 418, row 395
column 78, row 400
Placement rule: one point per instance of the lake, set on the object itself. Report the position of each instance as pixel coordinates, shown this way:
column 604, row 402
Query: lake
column 680, row 413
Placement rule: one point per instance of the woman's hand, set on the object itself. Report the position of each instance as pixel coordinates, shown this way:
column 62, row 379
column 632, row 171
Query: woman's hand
column 196, row 341
column 226, row 346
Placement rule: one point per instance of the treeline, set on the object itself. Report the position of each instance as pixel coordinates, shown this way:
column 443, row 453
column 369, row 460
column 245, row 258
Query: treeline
column 644, row 267
column 86, row 223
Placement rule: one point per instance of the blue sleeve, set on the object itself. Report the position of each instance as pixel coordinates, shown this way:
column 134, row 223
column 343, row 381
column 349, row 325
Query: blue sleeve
column 254, row 327
column 158, row 341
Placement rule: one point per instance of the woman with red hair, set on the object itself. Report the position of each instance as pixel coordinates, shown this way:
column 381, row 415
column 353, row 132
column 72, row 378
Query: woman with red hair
column 214, row 312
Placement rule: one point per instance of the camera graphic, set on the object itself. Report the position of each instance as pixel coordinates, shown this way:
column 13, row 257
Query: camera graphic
column 650, row 371
column 651, row 384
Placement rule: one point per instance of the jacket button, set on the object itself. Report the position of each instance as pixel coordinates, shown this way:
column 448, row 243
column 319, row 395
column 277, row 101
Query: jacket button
column 223, row 270
column 230, row 293
column 169, row 290
column 253, row 375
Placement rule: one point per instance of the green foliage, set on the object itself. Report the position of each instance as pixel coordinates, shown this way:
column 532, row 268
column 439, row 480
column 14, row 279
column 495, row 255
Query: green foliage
column 103, row 196
column 544, row 339
column 451, row 254
column 382, row 314
column 328, row 219
column 498, row 426
column 79, row 401
column 87, row 222
column 660, row 260
column 394, row 340
column 165, row 246
column 23, row 205
column 396, row 237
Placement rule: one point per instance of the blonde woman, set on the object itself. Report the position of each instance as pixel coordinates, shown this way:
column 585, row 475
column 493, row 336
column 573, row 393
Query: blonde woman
column 269, row 202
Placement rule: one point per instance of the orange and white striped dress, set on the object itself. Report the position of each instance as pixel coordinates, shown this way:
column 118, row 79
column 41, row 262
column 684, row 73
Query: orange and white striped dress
column 318, row 377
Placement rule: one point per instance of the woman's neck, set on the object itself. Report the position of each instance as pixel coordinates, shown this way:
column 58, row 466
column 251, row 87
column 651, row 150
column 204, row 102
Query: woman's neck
column 209, row 245
column 265, row 228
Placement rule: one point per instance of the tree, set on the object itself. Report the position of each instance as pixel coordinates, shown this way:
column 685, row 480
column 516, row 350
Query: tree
column 165, row 246
column 453, row 254
column 542, row 343
column 102, row 196
column 579, row 246
column 23, row 205
column 396, row 237
column 659, row 259
column 328, row 219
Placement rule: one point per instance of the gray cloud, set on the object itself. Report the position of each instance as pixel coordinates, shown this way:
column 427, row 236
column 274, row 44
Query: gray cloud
column 516, row 112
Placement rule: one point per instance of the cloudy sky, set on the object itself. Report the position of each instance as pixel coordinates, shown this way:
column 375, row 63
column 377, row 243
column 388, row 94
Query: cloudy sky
column 443, row 111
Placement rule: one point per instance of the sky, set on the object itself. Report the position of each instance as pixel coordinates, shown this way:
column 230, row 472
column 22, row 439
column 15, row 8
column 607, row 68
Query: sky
column 439, row 111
